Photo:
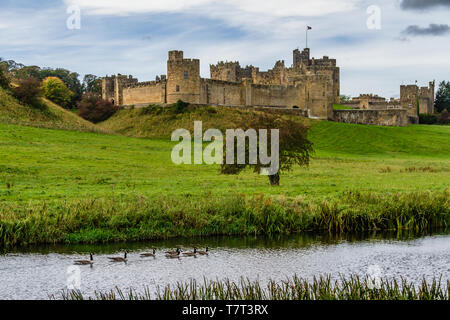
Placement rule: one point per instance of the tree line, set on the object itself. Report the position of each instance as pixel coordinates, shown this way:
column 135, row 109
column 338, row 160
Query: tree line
column 61, row 86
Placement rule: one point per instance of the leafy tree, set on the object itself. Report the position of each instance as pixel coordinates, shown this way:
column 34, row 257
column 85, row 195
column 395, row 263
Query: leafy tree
column 70, row 79
column 93, row 108
column 56, row 91
column 27, row 72
column 92, row 83
column 29, row 91
column 343, row 98
column 294, row 146
column 5, row 78
column 442, row 100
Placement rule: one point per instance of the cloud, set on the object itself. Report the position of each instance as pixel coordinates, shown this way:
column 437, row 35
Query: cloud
column 431, row 30
column 423, row 4
column 277, row 8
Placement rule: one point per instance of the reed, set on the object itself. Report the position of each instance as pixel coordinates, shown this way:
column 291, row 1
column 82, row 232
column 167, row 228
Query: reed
column 139, row 218
column 353, row 287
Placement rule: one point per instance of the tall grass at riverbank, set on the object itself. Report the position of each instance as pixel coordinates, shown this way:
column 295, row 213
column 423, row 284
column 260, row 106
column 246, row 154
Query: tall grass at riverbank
column 295, row 288
column 141, row 218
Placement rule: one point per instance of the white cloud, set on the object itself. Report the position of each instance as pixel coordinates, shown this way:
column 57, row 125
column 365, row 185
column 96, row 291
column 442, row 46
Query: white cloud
column 278, row 8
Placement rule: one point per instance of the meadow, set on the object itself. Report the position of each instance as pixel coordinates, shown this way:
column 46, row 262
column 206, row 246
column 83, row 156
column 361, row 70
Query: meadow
column 77, row 186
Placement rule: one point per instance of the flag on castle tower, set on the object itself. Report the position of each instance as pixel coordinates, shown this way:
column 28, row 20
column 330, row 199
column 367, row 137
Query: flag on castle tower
column 309, row 28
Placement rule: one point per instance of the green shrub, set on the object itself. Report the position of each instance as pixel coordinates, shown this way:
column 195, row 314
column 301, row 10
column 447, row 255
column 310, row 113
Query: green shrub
column 427, row 118
column 181, row 106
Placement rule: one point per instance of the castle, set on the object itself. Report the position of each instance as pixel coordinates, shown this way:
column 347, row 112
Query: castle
column 310, row 85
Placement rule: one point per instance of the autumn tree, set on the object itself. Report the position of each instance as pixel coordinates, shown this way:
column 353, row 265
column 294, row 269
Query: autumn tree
column 55, row 90
column 29, row 91
column 93, row 108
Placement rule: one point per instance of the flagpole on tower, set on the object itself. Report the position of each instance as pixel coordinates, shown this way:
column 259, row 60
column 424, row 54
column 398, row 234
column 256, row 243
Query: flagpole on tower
column 306, row 37
column 307, row 29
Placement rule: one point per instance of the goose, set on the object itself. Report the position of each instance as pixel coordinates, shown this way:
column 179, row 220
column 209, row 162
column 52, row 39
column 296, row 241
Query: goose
column 119, row 259
column 173, row 251
column 203, row 253
column 191, row 254
column 148, row 254
column 174, row 255
column 85, row 262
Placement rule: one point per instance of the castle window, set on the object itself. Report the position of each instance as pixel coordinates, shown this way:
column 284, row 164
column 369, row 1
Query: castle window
column 186, row 75
column 177, row 88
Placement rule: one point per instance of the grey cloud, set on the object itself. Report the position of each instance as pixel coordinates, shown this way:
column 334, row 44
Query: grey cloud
column 423, row 4
column 431, row 30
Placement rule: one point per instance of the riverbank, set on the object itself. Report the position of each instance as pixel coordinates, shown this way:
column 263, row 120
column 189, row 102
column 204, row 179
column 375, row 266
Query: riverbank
column 138, row 218
column 352, row 287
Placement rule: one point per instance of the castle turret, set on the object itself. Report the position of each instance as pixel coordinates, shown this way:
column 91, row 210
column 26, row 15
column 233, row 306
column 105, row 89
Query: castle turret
column 183, row 78
column 301, row 57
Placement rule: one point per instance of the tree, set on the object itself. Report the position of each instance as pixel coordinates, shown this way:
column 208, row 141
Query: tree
column 442, row 100
column 56, row 91
column 344, row 99
column 70, row 79
column 27, row 72
column 92, row 83
column 93, row 108
column 294, row 146
column 5, row 78
column 29, row 91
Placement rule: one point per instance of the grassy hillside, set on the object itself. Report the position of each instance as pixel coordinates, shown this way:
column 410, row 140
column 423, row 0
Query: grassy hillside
column 331, row 139
column 49, row 164
column 54, row 117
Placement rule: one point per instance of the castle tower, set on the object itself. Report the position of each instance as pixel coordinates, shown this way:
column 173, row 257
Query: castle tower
column 112, row 87
column 300, row 58
column 108, row 88
column 183, row 78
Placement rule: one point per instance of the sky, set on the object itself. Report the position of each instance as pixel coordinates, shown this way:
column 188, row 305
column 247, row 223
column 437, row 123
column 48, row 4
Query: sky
column 379, row 45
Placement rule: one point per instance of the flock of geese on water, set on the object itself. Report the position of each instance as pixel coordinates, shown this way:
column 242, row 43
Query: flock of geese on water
column 175, row 254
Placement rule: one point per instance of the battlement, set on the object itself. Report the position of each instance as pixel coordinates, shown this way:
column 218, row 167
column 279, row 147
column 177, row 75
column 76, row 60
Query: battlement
column 175, row 55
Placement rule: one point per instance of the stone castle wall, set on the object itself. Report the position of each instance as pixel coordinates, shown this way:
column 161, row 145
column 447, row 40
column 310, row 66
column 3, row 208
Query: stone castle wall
column 393, row 117
column 146, row 92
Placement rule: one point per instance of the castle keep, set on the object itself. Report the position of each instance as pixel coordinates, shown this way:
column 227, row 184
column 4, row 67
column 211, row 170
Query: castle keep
column 309, row 84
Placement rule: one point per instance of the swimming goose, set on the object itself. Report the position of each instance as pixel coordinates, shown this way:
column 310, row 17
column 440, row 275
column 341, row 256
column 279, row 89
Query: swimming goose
column 148, row 254
column 191, row 254
column 173, row 251
column 203, row 253
column 119, row 259
column 85, row 262
column 174, row 255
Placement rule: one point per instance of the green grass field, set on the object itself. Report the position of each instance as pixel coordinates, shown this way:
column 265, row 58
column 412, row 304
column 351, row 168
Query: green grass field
column 75, row 186
column 53, row 164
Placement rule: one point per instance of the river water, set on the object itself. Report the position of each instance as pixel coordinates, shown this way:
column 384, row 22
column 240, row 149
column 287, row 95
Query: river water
column 37, row 273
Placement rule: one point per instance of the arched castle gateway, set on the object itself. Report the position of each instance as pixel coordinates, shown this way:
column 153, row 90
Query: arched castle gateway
column 309, row 84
